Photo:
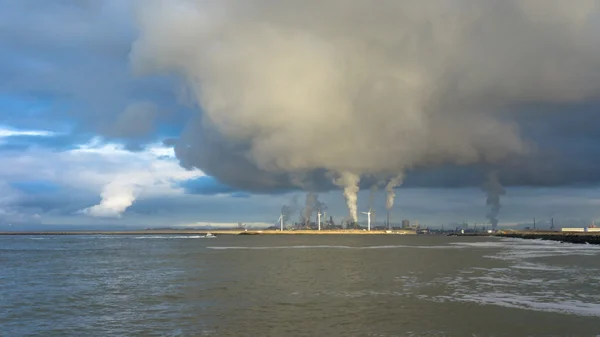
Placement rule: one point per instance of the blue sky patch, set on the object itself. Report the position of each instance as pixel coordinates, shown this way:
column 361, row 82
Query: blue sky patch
column 206, row 186
column 35, row 186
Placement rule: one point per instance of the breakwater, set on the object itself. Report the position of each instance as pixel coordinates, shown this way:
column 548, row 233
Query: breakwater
column 570, row 237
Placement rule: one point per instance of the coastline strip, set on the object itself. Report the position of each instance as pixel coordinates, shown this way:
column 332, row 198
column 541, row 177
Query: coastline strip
column 215, row 232
column 569, row 237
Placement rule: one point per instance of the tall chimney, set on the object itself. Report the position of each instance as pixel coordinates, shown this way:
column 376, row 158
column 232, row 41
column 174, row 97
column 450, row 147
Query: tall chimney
column 388, row 220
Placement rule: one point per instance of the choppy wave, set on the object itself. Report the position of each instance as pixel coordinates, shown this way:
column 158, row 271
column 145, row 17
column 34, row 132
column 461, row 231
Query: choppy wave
column 531, row 280
column 509, row 300
column 528, row 281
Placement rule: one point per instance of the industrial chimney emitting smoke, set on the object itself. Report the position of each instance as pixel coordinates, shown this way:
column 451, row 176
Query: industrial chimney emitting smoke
column 493, row 190
column 281, row 222
column 368, row 219
column 319, row 219
column 388, row 220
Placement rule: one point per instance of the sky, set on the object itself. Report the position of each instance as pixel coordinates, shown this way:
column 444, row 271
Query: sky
column 133, row 114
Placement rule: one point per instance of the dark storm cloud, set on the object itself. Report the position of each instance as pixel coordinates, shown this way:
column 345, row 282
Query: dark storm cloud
column 443, row 93
column 71, row 70
column 207, row 185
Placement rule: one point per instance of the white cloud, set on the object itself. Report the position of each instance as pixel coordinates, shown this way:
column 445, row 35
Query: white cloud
column 127, row 175
column 117, row 196
column 6, row 132
column 119, row 176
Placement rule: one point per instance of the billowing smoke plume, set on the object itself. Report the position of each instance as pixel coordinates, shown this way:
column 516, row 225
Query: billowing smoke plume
column 320, row 206
column 391, row 193
column 372, row 193
column 313, row 205
column 117, row 196
column 323, row 88
column 349, row 182
column 493, row 190
column 309, row 205
column 287, row 211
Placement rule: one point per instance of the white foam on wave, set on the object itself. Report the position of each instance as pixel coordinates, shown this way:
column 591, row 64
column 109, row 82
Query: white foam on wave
column 331, row 247
column 351, row 294
column 408, row 246
column 537, row 267
column 275, row 247
column 173, row 237
column 483, row 244
column 517, row 255
column 491, row 269
column 427, row 333
column 512, row 249
column 526, row 244
column 495, row 281
column 103, row 237
column 508, row 300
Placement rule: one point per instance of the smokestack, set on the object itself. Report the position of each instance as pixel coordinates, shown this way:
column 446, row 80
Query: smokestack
column 388, row 220
column 319, row 220
column 494, row 190
column 310, row 203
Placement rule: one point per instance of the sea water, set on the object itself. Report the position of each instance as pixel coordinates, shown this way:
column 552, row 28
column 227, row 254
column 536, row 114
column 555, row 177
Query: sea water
column 297, row 285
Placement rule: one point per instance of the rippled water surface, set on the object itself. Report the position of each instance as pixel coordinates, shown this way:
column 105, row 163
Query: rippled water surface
column 329, row 285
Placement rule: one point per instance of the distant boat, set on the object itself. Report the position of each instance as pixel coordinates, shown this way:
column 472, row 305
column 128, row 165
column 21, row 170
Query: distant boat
column 209, row 235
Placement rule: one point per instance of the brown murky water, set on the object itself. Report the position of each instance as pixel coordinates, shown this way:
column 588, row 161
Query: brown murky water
column 297, row 286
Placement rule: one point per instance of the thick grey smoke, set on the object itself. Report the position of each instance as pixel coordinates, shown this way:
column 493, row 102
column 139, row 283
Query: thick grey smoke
column 313, row 204
column 287, row 211
column 309, row 205
column 493, row 190
column 372, row 193
column 362, row 87
column 390, row 190
column 320, row 206
column 349, row 182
